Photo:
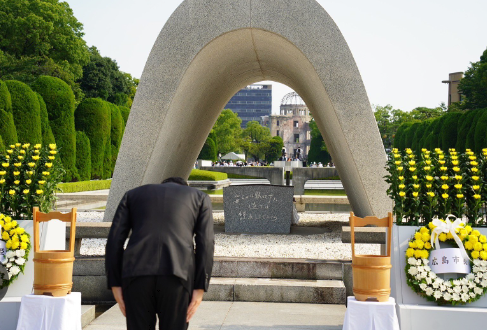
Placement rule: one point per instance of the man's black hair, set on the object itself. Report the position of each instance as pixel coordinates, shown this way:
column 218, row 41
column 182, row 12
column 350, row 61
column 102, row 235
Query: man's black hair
column 176, row 179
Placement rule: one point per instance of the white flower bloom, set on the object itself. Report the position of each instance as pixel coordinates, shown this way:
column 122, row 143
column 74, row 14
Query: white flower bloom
column 418, row 277
column 465, row 297
column 448, row 283
column 420, row 269
column 465, row 289
column 478, row 290
column 476, row 262
column 429, row 280
column 471, row 285
column 457, row 289
column 426, row 261
column 464, row 281
column 470, row 276
column 4, row 262
column 456, row 297
column 9, row 265
column 447, row 296
column 480, row 275
column 475, row 269
column 427, row 268
column 484, row 283
column 20, row 253
column 429, row 291
column 477, row 280
column 437, row 295
column 457, row 282
column 432, row 275
column 419, row 262
column 20, row 261
column 412, row 261
column 413, row 270
column 423, row 286
column 483, row 262
column 450, row 290
column 11, row 259
column 436, row 285
column 443, row 287
column 472, row 295
column 15, row 270
column 10, row 254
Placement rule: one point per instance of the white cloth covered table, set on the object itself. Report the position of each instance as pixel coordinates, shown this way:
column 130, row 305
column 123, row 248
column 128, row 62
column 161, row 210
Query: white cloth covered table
column 50, row 313
column 369, row 315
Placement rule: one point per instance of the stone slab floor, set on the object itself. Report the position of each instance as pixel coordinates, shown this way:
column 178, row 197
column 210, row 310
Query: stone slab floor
column 215, row 315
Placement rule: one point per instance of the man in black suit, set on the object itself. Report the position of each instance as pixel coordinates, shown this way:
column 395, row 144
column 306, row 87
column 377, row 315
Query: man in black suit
column 160, row 271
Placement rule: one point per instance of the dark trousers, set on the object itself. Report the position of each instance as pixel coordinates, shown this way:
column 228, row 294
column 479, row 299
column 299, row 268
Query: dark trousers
column 146, row 296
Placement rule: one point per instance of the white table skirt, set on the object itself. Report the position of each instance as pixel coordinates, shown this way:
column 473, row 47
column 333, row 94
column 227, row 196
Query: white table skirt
column 50, row 313
column 368, row 315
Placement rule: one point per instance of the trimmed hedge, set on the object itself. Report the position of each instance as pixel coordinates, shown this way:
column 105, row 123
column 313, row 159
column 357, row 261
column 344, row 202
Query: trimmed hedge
column 26, row 112
column 400, row 138
column 47, row 136
column 71, row 187
column 480, row 136
column 60, row 103
column 83, row 156
column 449, row 130
column 7, row 127
column 465, row 123
column 409, row 134
column 200, row 175
column 124, row 111
column 93, row 118
column 208, row 152
column 470, row 143
column 419, row 134
column 116, row 133
column 5, row 99
column 431, row 141
column 2, row 146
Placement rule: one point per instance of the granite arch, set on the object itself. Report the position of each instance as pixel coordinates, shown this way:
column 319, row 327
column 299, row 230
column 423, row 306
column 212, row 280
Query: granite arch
column 210, row 49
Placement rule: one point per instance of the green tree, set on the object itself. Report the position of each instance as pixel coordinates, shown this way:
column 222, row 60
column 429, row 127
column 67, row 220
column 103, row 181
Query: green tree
column 480, row 136
column 473, row 86
column 450, row 130
column 26, row 112
column 317, row 151
column 400, row 138
column 275, row 148
column 208, row 152
column 409, row 134
column 60, row 104
column 227, row 131
column 388, row 121
column 43, row 28
column 93, row 118
column 464, row 125
column 256, row 132
column 7, row 126
column 116, row 133
column 423, row 113
column 470, row 143
column 102, row 78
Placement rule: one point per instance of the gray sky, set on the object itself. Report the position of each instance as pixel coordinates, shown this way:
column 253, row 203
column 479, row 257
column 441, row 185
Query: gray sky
column 403, row 49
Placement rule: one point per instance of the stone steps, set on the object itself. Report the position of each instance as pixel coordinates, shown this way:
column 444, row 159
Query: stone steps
column 276, row 290
column 87, row 314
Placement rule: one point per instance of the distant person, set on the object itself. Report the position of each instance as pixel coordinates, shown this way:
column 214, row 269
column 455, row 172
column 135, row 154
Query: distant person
column 161, row 272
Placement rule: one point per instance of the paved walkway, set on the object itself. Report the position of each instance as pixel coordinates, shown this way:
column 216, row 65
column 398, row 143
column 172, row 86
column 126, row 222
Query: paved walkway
column 215, row 315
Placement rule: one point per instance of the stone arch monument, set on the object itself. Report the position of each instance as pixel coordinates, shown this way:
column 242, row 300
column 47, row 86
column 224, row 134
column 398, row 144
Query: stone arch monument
column 210, row 49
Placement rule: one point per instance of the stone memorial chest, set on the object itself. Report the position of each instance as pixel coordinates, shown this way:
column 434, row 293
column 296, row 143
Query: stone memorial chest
column 263, row 209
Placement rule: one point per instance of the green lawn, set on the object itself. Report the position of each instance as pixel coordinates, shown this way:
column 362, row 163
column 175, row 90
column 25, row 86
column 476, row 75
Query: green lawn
column 325, row 192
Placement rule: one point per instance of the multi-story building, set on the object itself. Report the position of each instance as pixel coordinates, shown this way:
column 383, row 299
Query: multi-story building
column 292, row 125
column 251, row 103
column 454, row 94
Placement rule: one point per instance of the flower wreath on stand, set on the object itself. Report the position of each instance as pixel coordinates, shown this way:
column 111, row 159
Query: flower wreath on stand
column 17, row 244
column 473, row 247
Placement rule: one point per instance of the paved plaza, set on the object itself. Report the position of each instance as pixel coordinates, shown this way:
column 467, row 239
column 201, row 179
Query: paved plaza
column 215, row 315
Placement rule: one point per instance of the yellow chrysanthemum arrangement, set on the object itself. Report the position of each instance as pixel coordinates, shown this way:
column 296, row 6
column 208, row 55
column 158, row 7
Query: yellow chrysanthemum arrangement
column 424, row 281
column 17, row 248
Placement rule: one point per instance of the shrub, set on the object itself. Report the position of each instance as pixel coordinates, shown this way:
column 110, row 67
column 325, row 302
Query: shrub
column 464, row 124
column 2, row 146
column 480, row 136
column 28, row 178
column 431, row 141
column 400, row 138
column 47, row 136
column 418, row 135
column 83, row 156
column 409, row 134
column 470, row 143
column 7, row 127
column 93, row 118
column 115, row 134
column 208, row 152
column 125, row 111
column 59, row 99
column 428, row 126
column 450, row 130
column 5, row 99
column 26, row 112
column 200, row 175
column 71, row 187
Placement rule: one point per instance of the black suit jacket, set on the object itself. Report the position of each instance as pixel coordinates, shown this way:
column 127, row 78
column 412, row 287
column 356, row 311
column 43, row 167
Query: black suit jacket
column 163, row 218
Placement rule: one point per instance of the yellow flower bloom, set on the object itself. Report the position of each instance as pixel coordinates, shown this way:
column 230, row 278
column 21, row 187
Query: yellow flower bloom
column 397, row 162
column 431, row 194
column 475, row 254
column 476, row 233
column 427, row 245
column 409, row 253
column 468, row 229
column 478, row 246
column 37, row 146
column 425, row 237
column 472, row 238
column 444, row 177
column 36, row 151
column 409, row 151
column 423, row 149
column 443, row 168
column 442, row 162
column 3, row 172
column 483, row 255
column 15, row 245
column 48, row 165
column 5, row 236
column 10, row 151
column 16, row 173
column 424, row 254
column 429, row 186
column 417, row 236
column 24, row 238
column 5, row 164
column 415, row 177
column 442, row 237
column 449, row 235
column 45, row 173
column 51, row 157
column 17, row 181
column 416, row 186
column 445, row 187
column 455, row 162
column 412, row 169
column 413, row 245
column 472, row 158
column 30, row 172
column 8, row 219
column 17, row 164
column 456, row 169
column 8, row 245
column 476, row 196
column 474, row 163
column 52, row 146
column 441, row 156
column 35, row 157
column 424, row 230
column 459, row 196
column 20, row 157
column 415, row 194
column 23, row 246
column 412, row 163
column 428, row 162
column 28, row 181
column 475, row 178
column 39, row 191
column 402, row 193
column 402, row 186
column 401, row 178
column 418, row 254
column 20, row 231
column 397, row 155
column 400, row 168
column 482, row 239
column 18, row 144
column 427, row 157
column 445, row 196
column 458, row 177
column 42, row 182
column 431, row 226
column 476, row 187
column 31, row 164
column 419, row 243
column 26, row 191
column 475, row 170
column 429, row 178
column 53, row 152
